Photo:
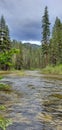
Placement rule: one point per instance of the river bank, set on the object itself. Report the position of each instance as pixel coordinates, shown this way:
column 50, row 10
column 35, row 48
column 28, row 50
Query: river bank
column 46, row 73
column 12, row 72
column 55, row 70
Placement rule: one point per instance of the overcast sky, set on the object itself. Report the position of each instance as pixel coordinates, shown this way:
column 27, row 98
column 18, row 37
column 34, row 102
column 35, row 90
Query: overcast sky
column 24, row 17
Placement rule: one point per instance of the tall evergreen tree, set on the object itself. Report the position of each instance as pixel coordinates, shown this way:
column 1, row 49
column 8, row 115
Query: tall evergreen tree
column 45, row 35
column 45, row 26
column 4, row 36
column 56, row 45
column 5, row 44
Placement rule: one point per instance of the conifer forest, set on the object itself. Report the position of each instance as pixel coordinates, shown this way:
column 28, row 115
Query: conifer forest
column 14, row 54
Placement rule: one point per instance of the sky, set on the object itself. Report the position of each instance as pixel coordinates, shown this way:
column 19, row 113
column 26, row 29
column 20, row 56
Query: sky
column 24, row 17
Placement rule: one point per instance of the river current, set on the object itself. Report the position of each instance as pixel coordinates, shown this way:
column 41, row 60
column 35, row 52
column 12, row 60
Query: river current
column 34, row 102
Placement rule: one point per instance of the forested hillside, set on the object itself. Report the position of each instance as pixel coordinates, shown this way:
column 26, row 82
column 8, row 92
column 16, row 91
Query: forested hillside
column 16, row 55
column 29, row 56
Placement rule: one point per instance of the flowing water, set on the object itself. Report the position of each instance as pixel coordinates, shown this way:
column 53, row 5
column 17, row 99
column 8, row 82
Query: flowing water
column 34, row 102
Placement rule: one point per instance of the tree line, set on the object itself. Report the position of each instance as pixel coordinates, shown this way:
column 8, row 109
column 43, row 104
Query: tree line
column 51, row 41
column 15, row 55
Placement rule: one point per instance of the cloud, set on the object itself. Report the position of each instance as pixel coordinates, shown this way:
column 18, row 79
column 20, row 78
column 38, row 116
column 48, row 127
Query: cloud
column 29, row 31
column 24, row 16
column 32, row 42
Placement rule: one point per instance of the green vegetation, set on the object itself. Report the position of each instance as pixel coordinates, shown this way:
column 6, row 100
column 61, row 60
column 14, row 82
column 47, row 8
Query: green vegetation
column 5, row 87
column 12, row 72
column 6, row 50
column 4, row 123
column 1, row 77
column 45, row 37
column 5, row 45
column 28, row 57
column 52, row 70
column 18, row 72
column 17, row 56
column 2, row 107
column 51, row 47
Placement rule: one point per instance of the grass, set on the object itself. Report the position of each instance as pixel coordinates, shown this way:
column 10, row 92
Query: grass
column 2, row 107
column 13, row 72
column 5, row 87
column 57, row 95
column 1, row 77
column 4, row 123
column 52, row 70
column 19, row 72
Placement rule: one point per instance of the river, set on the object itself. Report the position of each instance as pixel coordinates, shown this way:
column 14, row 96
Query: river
column 34, row 102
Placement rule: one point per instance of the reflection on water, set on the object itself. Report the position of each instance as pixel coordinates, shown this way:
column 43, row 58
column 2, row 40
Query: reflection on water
column 34, row 103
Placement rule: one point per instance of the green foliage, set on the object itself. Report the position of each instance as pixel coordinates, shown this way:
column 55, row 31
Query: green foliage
column 5, row 58
column 1, row 77
column 19, row 58
column 5, row 45
column 2, row 107
column 45, row 26
column 29, row 56
column 4, row 36
column 5, row 87
column 15, row 55
column 4, row 123
column 51, row 48
column 45, row 37
column 52, row 69
column 56, row 43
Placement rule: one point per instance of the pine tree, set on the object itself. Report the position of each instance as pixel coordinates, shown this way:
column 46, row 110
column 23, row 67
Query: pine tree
column 56, row 45
column 4, row 36
column 45, row 35
column 45, row 26
column 5, row 44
